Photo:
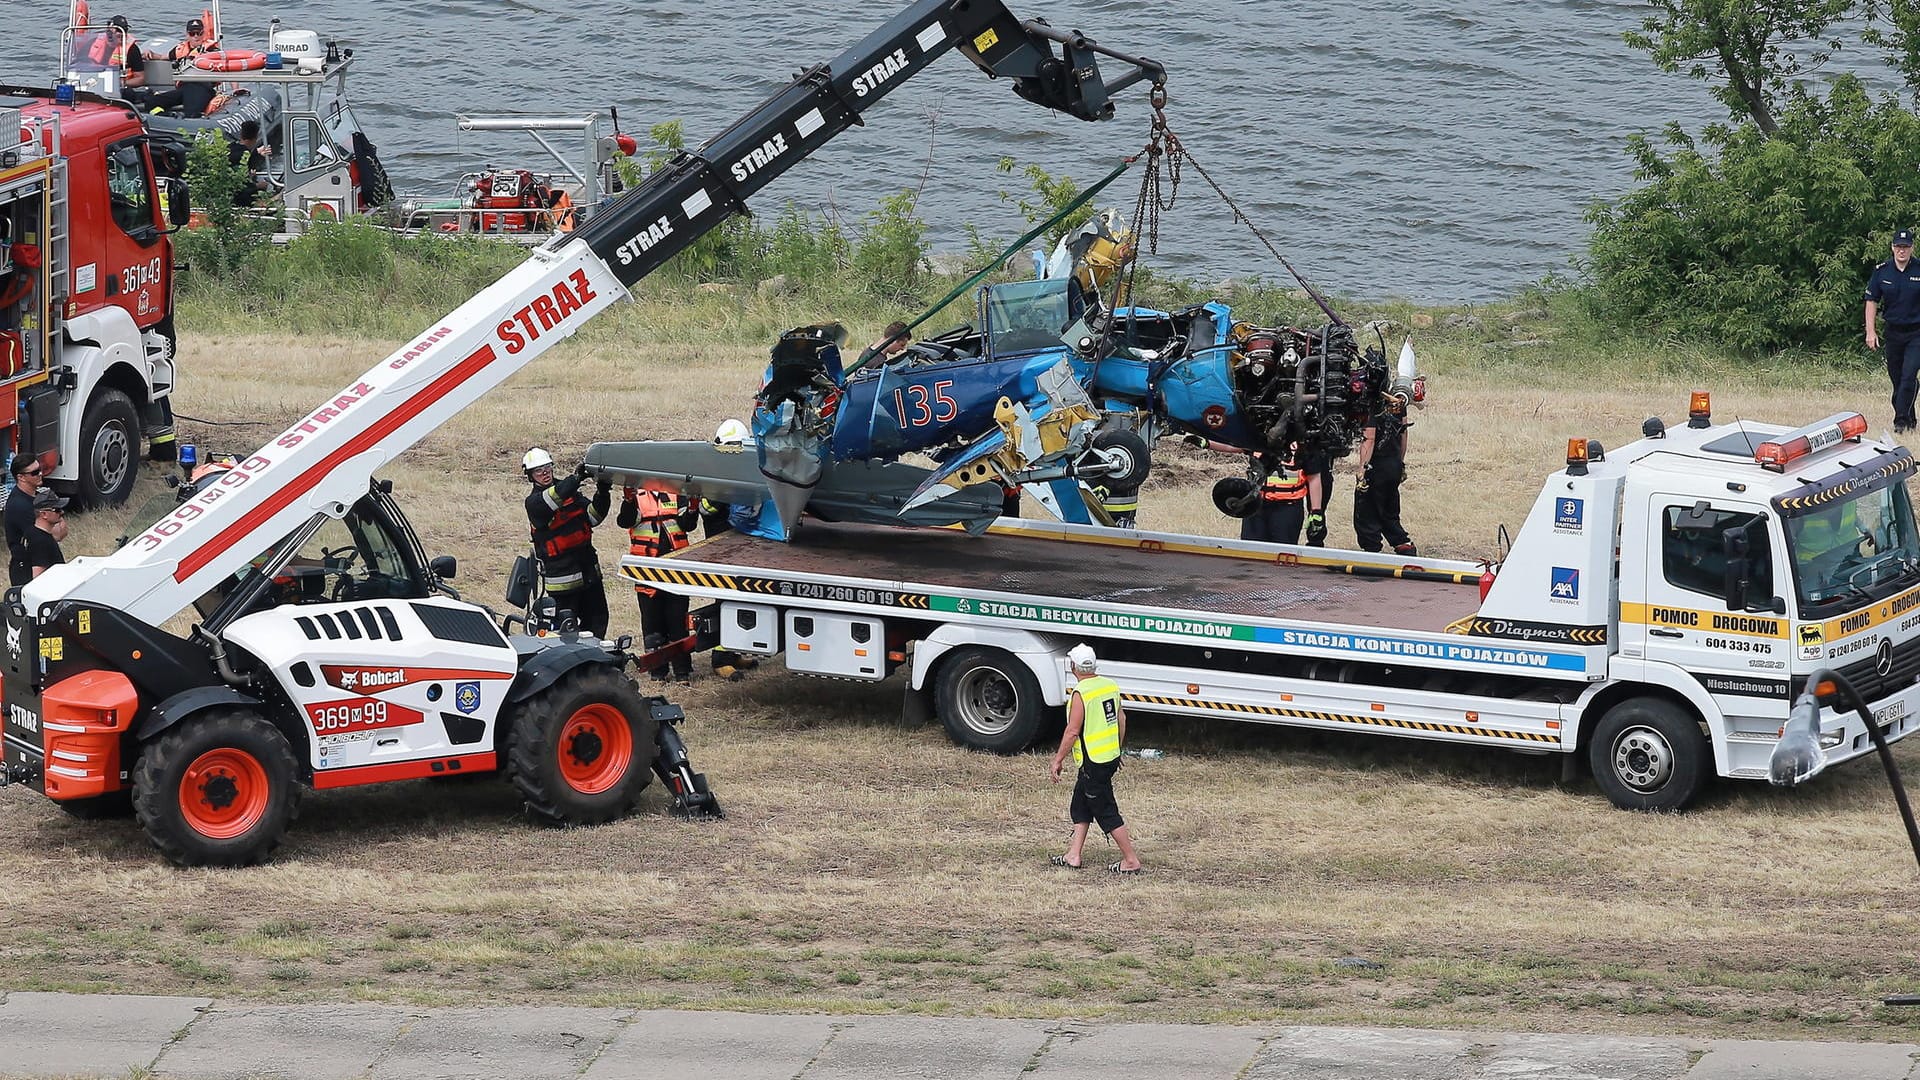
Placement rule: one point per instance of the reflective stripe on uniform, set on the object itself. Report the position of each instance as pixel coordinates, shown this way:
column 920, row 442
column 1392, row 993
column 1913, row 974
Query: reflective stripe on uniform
column 1278, row 488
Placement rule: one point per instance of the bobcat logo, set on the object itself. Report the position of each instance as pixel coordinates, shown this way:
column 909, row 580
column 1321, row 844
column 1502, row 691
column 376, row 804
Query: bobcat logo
column 13, row 640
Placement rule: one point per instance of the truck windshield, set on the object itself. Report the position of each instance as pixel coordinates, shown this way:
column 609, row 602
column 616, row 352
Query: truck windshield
column 1857, row 550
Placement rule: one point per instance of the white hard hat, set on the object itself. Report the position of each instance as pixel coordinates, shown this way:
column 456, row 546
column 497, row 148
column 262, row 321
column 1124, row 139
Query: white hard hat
column 730, row 433
column 536, row 458
column 1082, row 658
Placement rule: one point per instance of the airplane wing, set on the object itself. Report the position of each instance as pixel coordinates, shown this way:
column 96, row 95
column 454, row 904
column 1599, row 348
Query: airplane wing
column 869, row 492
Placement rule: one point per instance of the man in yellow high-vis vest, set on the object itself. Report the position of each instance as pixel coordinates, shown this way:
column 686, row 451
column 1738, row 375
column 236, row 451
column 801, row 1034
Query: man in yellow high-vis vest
column 1096, row 729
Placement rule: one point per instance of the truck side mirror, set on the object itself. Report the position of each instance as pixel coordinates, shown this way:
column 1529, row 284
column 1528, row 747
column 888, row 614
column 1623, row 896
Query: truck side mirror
column 1735, row 546
column 444, row 567
column 179, row 202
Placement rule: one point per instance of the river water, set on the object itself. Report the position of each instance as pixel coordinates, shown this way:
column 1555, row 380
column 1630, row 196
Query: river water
column 1440, row 151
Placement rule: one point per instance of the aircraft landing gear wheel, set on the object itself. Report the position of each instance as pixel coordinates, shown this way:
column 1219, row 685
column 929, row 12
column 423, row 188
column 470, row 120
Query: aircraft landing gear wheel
column 988, row 700
column 1129, row 451
column 1235, row 497
column 583, row 748
column 1648, row 754
column 109, row 449
column 217, row 790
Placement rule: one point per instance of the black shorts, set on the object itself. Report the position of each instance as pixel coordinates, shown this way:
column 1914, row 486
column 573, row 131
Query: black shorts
column 1093, row 800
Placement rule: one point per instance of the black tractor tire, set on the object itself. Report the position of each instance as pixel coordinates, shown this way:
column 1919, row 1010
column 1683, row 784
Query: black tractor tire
column 1133, row 450
column 217, row 789
column 582, row 750
column 114, row 804
column 989, row 700
column 109, row 459
column 1235, row 497
column 1649, row 754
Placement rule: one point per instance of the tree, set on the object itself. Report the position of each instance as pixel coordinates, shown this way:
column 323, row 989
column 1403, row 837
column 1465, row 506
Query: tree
column 1760, row 241
column 1755, row 47
column 1900, row 41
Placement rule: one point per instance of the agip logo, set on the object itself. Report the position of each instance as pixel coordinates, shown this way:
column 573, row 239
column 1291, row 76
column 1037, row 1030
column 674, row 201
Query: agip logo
column 1812, row 640
column 1565, row 585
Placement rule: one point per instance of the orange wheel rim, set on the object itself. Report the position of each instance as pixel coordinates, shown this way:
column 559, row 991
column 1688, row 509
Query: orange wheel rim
column 596, row 749
column 224, row 793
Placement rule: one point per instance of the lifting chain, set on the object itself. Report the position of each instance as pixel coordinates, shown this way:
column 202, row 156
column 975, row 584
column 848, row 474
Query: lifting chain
column 1164, row 149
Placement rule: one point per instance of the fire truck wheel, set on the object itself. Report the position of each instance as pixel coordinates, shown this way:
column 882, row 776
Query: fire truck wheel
column 989, row 700
column 1649, row 754
column 583, row 749
column 217, row 789
column 114, row 804
column 109, row 449
column 1128, row 450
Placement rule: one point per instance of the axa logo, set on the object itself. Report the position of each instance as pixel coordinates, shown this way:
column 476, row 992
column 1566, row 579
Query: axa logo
column 1565, row 584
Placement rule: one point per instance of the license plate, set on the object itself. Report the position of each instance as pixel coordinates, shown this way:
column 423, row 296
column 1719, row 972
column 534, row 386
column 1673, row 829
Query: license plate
column 1886, row 715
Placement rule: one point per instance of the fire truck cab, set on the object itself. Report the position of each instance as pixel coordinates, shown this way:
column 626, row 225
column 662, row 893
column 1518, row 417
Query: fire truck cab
column 87, row 337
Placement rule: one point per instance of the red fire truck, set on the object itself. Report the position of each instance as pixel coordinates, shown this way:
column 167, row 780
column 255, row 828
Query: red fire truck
column 87, row 338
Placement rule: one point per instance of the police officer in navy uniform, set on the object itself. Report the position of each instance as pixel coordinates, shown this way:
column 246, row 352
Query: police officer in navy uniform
column 1894, row 292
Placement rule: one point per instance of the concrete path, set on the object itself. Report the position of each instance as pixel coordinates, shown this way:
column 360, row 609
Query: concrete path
column 68, row 1035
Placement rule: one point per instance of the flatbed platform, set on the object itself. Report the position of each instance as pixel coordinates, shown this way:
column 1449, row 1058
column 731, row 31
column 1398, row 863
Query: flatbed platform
column 1112, row 568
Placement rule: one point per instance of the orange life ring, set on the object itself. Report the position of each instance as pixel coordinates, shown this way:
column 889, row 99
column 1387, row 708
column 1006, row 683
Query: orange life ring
column 231, row 60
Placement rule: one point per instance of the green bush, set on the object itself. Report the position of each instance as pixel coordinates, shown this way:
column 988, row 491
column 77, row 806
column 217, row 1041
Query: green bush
column 805, row 250
column 1761, row 242
column 890, row 257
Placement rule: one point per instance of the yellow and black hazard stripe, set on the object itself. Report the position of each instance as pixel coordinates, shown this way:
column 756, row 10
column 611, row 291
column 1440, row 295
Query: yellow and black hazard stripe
column 1147, row 700
column 760, row 586
column 659, row 575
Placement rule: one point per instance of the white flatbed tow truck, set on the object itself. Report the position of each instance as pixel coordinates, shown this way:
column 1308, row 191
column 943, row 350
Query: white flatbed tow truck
column 1658, row 612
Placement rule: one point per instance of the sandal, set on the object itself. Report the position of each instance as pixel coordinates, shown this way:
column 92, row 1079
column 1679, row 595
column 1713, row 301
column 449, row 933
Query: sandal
column 1061, row 860
column 1116, row 868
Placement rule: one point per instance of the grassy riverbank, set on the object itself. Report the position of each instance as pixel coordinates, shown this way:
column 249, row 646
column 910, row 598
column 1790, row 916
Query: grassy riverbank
column 872, row 866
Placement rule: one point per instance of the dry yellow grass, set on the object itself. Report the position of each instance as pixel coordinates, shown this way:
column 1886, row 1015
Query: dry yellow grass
column 869, row 865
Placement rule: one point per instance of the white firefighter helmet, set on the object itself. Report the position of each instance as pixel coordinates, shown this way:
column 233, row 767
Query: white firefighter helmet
column 1082, row 658
column 536, row 458
column 730, row 433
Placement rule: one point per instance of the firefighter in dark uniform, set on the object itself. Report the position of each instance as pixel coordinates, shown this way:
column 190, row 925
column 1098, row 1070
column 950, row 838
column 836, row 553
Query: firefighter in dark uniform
column 1894, row 292
column 562, row 521
column 657, row 525
column 1376, row 496
column 1317, row 467
column 1122, row 508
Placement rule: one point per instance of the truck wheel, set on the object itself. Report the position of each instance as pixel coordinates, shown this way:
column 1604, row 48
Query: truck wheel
column 217, row 789
column 989, row 700
column 583, row 749
column 109, row 445
column 1130, row 451
column 1649, row 754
